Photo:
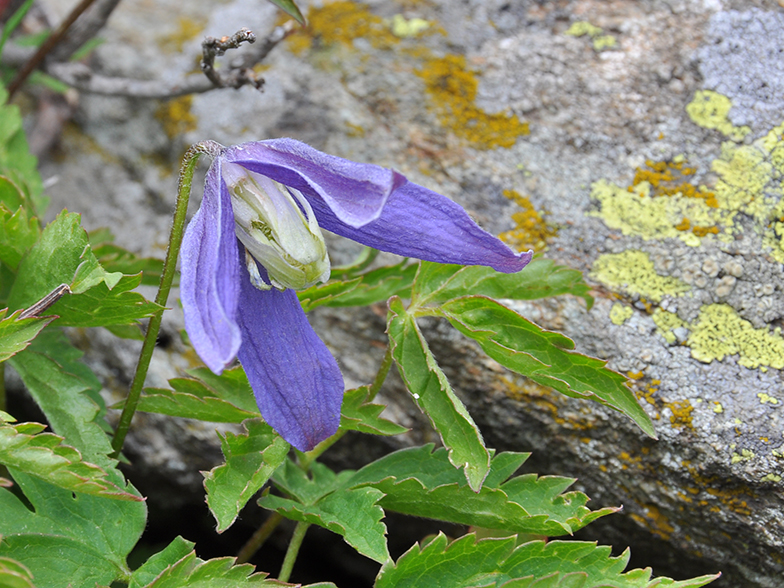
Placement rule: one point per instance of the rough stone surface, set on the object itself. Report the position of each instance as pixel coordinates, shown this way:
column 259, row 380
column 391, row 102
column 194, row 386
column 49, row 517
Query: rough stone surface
column 705, row 356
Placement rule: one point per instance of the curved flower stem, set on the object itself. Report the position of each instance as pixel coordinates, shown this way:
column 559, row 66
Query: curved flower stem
column 259, row 537
column 189, row 162
column 293, row 551
column 383, row 372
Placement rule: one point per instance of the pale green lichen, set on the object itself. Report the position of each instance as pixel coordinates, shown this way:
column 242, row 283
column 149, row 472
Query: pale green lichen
column 620, row 313
column 666, row 322
column 710, row 110
column 599, row 39
column 719, row 331
column 632, row 272
column 770, row 478
column 744, row 455
column 404, row 28
column 767, row 398
column 717, row 407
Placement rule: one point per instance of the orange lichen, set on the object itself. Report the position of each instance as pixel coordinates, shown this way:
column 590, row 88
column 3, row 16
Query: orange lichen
column 531, row 231
column 667, row 179
column 340, row 23
column 653, row 519
column 176, row 117
column 452, row 89
column 681, row 413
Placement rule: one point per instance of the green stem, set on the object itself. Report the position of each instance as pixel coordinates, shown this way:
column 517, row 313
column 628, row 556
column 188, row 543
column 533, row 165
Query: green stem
column 293, row 551
column 169, row 267
column 383, row 372
column 2, row 386
column 259, row 537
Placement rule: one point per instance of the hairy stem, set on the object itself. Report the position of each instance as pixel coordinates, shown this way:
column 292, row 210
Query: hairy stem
column 259, row 537
column 293, row 551
column 169, row 266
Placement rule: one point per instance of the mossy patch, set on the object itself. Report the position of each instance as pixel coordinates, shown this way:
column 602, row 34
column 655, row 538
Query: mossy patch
column 531, row 231
column 719, row 331
column 632, row 273
column 176, row 117
column 452, row 86
column 620, row 313
column 710, row 110
column 187, row 29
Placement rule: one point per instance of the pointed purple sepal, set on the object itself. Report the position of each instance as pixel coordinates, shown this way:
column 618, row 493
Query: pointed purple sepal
column 296, row 381
column 210, row 279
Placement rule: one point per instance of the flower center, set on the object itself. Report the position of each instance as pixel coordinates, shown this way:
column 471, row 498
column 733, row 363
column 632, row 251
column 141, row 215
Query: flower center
column 277, row 226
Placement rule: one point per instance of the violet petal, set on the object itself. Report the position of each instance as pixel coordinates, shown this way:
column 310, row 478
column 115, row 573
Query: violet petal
column 296, row 381
column 355, row 192
column 209, row 284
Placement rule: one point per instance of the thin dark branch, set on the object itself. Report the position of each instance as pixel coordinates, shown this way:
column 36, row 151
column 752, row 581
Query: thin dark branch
column 236, row 77
column 84, row 29
column 48, row 45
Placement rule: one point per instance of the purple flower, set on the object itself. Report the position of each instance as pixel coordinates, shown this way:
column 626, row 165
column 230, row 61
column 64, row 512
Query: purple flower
column 264, row 202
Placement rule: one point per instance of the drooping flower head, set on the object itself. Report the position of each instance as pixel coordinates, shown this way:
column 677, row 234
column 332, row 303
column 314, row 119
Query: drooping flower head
column 257, row 238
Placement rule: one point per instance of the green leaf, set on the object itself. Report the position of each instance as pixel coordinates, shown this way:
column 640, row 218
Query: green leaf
column 158, row 563
column 68, row 394
column 542, row 356
column 114, row 258
column 192, row 572
column 227, row 398
column 82, row 538
column 15, row 334
column 290, row 8
column 359, row 415
column 250, row 461
column 14, row 575
column 421, row 483
column 434, row 396
column 369, row 288
column 436, row 282
column 24, row 448
column 496, row 562
column 352, row 513
column 61, row 256
column 16, row 161
column 18, row 233
column 11, row 196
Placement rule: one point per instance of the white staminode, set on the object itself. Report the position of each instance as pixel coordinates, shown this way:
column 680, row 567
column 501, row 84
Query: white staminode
column 277, row 226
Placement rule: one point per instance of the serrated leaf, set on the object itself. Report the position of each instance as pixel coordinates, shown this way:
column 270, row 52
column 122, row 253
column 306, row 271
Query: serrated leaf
column 496, row 562
column 192, row 572
column 82, row 538
column 18, row 232
column 114, row 258
column 250, row 461
column 24, row 448
column 158, row 563
column 15, row 334
column 369, row 288
column 14, row 575
column 227, row 398
column 352, row 513
column 290, row 8
column 61, row 256
column 356, row 414
column 420, row 482
column 436, row 282
column 434, row 396
column 543, row 356
column 68, row 393
column 16, row 161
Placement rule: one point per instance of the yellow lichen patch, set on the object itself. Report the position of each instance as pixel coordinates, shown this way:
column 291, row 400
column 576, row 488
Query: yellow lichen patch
column 666, row 322
column 175, row 116
column 599, row 39
column 770, row 478
column 636, row 212
column 531, row 231
column 632, row 272
column 767, row 398
column 340, row 23
column 710, row 110
column 451, row 87
column 681, row 413
column 654, row 520
column 719, row 331
column 717, row 407
column 744, row 455
column 187, row 29
column 744, row 173
column 620, row 313
column 668, row 178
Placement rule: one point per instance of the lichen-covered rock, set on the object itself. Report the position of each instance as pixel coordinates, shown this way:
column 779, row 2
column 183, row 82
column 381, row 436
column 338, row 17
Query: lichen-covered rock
column 639, row 142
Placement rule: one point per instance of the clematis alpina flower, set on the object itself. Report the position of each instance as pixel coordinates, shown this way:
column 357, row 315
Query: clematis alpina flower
column 257, row 238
